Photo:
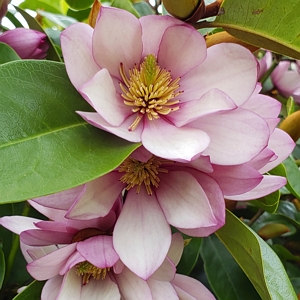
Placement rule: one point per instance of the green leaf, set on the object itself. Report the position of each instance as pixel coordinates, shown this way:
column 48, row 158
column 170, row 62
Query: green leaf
column 79, row 4
column 143, row 8
column 79, row 15
column 268, row 203
column 61, row 20
column 226, row 278
column 257, row 260
column 32, row 292
column 189, row 257
column 52, row 54
column 46, row 5
column 290, row 106
column 13, row 19
column 7, row 54
column 296, row 284
column 269, row 24
column 45, row 147
column 126, row 5
column 2, row 267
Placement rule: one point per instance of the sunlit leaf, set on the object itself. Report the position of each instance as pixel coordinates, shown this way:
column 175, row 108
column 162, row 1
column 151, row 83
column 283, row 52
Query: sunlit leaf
column 32, row 292
column 126, row 5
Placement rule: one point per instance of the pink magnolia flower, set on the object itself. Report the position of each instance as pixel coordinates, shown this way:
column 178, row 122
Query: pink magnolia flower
column 90, row 268
column 286, row 79
column 152, row 80
column 28, row 43
column 264, row 64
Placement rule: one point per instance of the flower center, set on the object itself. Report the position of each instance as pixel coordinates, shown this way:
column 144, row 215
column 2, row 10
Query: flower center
column 86, row 233
column 87, row 270
column 138, row 173
column 149, row 90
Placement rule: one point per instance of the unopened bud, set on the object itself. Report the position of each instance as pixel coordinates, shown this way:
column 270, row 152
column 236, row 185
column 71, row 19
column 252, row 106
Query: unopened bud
column 92, row 20
column 272, row 230
column 291, row 125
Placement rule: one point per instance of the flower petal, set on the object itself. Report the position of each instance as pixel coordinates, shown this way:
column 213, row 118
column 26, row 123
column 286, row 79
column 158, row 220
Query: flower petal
column 17, row 224
column 99, row 251
column 48, row 266
column 73, row 260
column 168, row 141
column 228, row 67
column 182, row 48
column 162, row 290
column 98, row 198
column 76, row 44
column 71, row 287
column 268, row 185
column 121, row 131
column 126, row 44
column 165, row 272
column 183, row 201
column 236, row 136
column 104, row 289
column 100, row 92
column 176, row 249
column 142, row 216
column 51, row 288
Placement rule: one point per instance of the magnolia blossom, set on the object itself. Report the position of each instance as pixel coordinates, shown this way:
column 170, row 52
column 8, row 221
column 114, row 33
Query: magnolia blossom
column 28, row 43
column 264, row 64
column 286, row 78
column 152, row 80
column 86, row 265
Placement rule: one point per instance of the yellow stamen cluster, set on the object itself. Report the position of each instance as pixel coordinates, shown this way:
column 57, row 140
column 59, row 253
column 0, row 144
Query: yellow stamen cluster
column 138, row 173
column 87, row 270
column 149, row 90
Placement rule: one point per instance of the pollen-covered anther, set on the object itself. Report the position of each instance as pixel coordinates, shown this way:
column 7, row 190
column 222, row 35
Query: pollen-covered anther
column 87, row 270
column 138, row 173
column 149, row 90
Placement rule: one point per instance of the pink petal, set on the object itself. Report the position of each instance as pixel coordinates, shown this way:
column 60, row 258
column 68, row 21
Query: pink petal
column 76, row 43
column 165, row 272
column 142, row 215
column 259, row 161
column 216, row 202
column 228, row 67
column 168, row 141
column 17, row 224
column 235, row 180
column 280, row 70
column 49, row 265
column 268, row 185
column 183, row 201
column 37, row 237
column 117, row 42
column 235, row 136
column 104, row 289
column 98, row 198
column 71, row 287
column 99, row 251
column 176, row 249
column 202, row 164
column 38, row 252
column 211, row 102
column 101, row 94
column 282, row 144
column 51, row 288
column 122, row 131
column 55, row 226
column 73, row 260
column 182, row 48
column 193, row 287
column 132, row 286
column 162, row 290
column 153, row 28
column 62, row 200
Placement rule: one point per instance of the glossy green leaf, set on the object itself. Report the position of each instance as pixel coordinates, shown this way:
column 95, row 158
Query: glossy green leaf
column 143, row 8
column 226, row 278
column 268, row 203
column 79, row 15
column 296, row 284
column 290, row 106
column 126, row 5
column 79, row 4
column 257, row 260
column 13, row 19
column 52, row 54
column 7, row 54
column 189, row 257
column 32, row 292
column 269, row 24
column 2, row 267
column 58, row 19
column 45, row 147
column 46, row 5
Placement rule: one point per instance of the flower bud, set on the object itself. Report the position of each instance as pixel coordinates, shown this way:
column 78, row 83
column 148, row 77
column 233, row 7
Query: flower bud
column 27, row 43
column 3, row 8
column 184, row 10
column 272, row 230
column 291, row 125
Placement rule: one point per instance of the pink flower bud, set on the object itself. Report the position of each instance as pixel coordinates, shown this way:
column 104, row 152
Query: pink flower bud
column 27, row 43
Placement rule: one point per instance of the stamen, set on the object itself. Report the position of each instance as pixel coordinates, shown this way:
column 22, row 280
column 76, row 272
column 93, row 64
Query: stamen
column 87, row 270
column 149, row 90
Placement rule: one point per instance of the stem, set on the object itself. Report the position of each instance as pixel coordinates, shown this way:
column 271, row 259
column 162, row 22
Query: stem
column 212, row 9
column 268, row 73
column 256, row 216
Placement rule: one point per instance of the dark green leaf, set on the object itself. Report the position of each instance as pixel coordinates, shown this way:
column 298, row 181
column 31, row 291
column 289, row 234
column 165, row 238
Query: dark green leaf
column 189, row 257
column 269, row 24
column 226, row 278
column 126, row 5
column 79, row 4
column 32, row 292
column 46, row 5
column 13, row 19
column 79, row 15
column 257, row 260
column 7, row 54
column 143, row 8
column 2, row 267
column 45, row 147
column 268, row 203
column 296, row 284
